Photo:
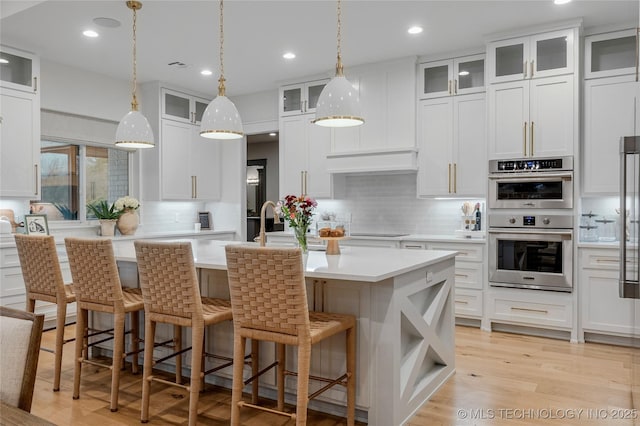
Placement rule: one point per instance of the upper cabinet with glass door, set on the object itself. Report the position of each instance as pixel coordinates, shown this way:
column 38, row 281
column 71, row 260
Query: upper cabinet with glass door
column 540, row 55
column 179, row 106
column 611, row 54
column 300, row 98
column 19, row 70
column 451, row 77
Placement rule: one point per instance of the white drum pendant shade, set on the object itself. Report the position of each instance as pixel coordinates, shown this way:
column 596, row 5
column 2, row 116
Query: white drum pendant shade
column 134, row 131
column 338, row 105
column 221, row 120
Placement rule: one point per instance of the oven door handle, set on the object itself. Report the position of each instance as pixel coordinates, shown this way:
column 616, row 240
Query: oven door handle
column 530, row 231
column 519, row 177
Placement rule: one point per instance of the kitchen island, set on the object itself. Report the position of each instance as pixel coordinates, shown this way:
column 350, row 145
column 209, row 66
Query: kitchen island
column 403, row 300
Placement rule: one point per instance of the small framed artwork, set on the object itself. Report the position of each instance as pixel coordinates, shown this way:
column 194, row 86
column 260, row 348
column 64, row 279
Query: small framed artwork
column 36, row 224
column 205, row 220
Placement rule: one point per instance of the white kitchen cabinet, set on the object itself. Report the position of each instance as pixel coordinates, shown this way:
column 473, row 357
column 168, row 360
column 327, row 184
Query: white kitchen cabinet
column 21, row 71
column 451, row 77
column 386, row 140
column 182, row 107
column 611, row 110
column 183, row 165
column 302, row 98
column 190, row 163
column 303, row 156
column 19, row 144
column 452, row 149
column 532, row 118
column 611, row 54
column 535, row 56
column 602, row 310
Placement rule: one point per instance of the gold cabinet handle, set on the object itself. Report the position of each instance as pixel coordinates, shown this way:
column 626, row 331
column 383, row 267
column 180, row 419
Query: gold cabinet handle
column 462, row 275
column 35, row 84
column 450, row 90
column 455, row 86
column 303, row 182
column 524, row 139
column 455, row 178
column 305, row 105
column 193, row 187
column 462, row 302
column 531, row 66
column 449, row 178
column 35, row 167
column 601, row 260
column 524, row 69
column 531, row 140
column 539, row 311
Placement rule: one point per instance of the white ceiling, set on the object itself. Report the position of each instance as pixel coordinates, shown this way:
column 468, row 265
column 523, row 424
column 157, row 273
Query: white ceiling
column 258, row 32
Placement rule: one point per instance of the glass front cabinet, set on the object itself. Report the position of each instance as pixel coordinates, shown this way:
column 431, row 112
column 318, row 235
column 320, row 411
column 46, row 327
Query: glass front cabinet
column 611, row 54
column 541, row 55
column 451, row 77
column 19, row 70
column 182, row 107
column 300, row 98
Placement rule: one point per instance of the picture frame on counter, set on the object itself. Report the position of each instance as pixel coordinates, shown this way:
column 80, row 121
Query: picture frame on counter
column 36, row 224
column 205, row 220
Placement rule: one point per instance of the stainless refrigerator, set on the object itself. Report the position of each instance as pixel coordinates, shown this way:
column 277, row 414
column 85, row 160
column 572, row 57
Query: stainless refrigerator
column 629, row 215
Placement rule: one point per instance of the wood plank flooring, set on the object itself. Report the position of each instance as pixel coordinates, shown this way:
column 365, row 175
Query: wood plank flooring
column 500, row 378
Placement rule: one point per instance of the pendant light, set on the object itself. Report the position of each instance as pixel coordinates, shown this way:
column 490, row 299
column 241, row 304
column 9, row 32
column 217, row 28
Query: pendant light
column 134, row 130
column 221, row 119
column 338, row 104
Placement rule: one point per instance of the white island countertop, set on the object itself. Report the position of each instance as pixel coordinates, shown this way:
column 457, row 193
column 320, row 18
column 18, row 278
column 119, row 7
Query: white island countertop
column 368, row 264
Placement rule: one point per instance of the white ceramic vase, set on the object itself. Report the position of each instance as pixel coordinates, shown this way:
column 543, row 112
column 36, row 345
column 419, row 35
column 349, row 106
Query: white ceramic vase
column 108, row 227
column 128, row 222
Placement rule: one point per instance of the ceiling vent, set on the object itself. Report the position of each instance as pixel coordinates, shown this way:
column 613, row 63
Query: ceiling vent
column 178, row 64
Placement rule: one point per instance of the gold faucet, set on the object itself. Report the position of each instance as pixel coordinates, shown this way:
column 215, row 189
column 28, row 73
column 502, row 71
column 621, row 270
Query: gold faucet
column 276, row 219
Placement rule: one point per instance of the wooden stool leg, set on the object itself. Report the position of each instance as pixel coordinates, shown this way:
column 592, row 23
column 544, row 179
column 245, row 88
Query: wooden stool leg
column 255, row 367
column 80, row 327
column 60, row 320
column 135, row 341
column 197, row 338
column 147, row 367
column 117, row 358
column 239, row 345
column 351, row 379
column 304, row 363
column 177, row 339
column 281, row 358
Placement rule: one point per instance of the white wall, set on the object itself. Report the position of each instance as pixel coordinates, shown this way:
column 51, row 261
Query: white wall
column 75, row 91
column 258, row 107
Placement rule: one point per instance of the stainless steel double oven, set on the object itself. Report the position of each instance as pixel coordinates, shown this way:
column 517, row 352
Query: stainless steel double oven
column 531, row 223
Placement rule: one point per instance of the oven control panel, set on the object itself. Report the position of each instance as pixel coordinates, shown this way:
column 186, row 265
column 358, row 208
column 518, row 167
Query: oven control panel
column 531, row 221
column 531, row 164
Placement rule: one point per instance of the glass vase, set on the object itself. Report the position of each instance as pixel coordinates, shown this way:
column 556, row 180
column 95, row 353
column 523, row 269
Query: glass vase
column 301, row 237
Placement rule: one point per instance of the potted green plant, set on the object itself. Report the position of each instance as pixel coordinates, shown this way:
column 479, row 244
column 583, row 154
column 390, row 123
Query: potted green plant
column 106, row 214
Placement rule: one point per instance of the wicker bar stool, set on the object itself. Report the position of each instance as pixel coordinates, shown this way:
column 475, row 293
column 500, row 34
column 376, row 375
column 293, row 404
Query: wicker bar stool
column 98, row 288
column 43, row 281
column 269, row 302
column 171, row 294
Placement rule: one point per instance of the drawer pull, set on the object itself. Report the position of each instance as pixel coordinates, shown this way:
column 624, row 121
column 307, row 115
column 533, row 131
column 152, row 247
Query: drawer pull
column 462, row 275
column 540, row 311
column 462, row 302
column 616, row 261
column 412, row 247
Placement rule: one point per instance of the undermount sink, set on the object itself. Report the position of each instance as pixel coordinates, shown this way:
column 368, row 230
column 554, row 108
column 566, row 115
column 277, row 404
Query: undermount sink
column 377, row 234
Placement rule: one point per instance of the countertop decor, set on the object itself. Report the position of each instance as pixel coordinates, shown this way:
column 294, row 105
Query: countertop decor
column 298, row 211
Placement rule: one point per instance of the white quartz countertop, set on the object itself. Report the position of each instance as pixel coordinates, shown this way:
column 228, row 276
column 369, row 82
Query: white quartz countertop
column 368, row 264
column 400, row 238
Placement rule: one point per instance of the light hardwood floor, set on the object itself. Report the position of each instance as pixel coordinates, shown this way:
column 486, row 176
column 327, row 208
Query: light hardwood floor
column 500, row 378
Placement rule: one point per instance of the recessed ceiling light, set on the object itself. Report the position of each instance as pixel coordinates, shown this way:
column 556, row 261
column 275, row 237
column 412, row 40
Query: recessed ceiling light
column 206, row 72
column 415, row 30
column 463, row 73
column 90, row 33
column 561, row 1
column 3, row 61
column 272, row 134
column 289, row 55
column 106, row 22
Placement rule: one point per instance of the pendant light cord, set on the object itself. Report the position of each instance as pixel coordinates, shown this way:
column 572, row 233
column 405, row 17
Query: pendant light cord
column 134, row 100
column 221, row 80
column 339, row 67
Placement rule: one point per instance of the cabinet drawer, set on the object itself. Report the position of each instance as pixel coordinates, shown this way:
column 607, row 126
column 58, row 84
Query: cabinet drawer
column 468, row 303
column 415, row 245
column 11, row 283
column 469, row 275
column 9, row 257
column 600, row 259
column 531, row 308
column 466, row 252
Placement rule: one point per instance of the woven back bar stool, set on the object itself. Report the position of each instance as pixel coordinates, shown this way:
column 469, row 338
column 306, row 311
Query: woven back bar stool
column 98, row 288
column 269, row 302
column 43, row 281
column 171, row 293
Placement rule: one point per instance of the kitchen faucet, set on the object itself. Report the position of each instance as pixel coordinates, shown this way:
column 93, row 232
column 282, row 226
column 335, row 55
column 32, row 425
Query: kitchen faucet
column 276, row 219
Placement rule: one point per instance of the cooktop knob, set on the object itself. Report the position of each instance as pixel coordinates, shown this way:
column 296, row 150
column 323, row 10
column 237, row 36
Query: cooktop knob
column 512, row 220
column 546, row 221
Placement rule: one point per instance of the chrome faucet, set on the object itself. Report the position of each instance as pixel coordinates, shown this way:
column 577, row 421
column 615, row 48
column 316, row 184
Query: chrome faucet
column 276, row 219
